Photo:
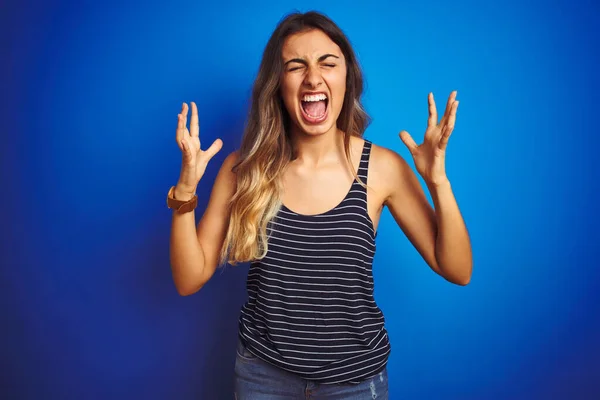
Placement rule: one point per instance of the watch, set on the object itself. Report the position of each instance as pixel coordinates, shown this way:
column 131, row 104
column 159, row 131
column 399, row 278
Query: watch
column 181, row 206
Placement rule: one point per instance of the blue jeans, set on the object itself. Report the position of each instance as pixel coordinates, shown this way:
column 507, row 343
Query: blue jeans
column 256, row 379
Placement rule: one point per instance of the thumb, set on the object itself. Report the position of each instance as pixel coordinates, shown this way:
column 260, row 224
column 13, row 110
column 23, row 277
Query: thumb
column 214, row 148
column 408, row 141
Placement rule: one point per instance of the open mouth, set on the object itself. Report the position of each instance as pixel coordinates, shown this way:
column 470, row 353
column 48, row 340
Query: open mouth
column 314, row 107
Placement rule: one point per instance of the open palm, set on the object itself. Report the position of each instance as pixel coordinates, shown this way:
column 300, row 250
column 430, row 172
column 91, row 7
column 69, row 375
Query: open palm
column 194, row 159
column 429, row 156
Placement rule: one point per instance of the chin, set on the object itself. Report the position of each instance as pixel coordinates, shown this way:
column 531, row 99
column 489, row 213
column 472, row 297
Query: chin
column 315, row 130
column 315, row 126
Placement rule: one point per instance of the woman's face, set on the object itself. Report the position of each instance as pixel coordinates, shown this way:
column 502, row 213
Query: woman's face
column 313, row 83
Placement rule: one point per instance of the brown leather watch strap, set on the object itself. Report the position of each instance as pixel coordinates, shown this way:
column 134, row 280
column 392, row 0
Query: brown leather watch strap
column 181, row 206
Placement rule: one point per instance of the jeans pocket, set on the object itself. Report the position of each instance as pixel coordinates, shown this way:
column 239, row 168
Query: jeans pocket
column 243, row 353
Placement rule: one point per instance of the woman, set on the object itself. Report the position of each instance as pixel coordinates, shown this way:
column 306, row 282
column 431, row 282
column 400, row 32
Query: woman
column 301, row 201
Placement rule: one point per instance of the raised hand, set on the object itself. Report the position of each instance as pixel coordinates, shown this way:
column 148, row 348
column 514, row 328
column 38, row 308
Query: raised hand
column 429, row 157
column 194, row 159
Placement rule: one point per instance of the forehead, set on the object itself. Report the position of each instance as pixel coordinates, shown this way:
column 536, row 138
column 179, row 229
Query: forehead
column 309, row 44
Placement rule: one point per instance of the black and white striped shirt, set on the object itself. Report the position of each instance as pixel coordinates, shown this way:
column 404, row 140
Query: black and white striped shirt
column 310, row 307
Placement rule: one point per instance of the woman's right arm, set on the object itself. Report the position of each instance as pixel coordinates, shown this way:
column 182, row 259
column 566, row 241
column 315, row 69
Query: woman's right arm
column 194, row 251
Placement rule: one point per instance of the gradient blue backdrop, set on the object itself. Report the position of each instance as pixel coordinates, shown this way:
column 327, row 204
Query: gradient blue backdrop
column 90, row 96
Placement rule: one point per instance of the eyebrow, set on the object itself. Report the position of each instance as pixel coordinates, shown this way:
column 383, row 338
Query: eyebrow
column 302, row 61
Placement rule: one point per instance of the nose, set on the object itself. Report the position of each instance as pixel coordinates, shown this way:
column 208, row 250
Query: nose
column 313, row 77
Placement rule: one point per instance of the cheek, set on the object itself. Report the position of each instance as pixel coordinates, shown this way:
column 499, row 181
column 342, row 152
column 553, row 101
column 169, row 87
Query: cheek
column 338, row 87
column 290, row 87
column 287, row 94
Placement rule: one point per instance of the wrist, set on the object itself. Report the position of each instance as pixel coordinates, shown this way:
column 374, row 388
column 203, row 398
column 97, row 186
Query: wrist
column 183, row 193
column 438, row 184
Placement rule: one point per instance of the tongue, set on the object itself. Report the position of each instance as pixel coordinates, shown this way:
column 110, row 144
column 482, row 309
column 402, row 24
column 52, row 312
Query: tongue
column 314, row 108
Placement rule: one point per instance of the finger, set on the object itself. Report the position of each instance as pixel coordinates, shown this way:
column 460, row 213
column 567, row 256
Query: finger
column 443, row 143
column 451, row 99
column 408, row 141
column 184, row 112
column 181, row 121
column 451, row 116
column 194, row 124
column 432, row 121
column 213, row 149
column 449, row 127
column 452, row 119
column 186, row 150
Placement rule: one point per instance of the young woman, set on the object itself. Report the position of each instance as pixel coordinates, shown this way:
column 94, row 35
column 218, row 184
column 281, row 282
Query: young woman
column 301, row 202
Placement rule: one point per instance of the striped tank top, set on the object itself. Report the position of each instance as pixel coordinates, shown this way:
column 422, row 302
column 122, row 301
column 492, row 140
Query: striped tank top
column 310, row 307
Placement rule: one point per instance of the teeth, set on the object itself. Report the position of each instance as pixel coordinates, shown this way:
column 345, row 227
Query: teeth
column 316, row 97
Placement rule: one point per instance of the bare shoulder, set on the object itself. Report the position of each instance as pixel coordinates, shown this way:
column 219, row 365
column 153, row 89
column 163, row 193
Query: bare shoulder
column 231, row 160
column 226, row 175
column 387, row 170
column 225, row 183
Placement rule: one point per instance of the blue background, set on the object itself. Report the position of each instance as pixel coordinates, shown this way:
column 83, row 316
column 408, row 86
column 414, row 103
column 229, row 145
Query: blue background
column 90, row 96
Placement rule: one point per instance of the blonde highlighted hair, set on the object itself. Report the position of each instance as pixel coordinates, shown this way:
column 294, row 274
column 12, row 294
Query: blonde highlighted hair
column 266, row 149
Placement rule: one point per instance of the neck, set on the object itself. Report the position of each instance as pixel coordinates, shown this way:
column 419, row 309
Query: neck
column 317, row 149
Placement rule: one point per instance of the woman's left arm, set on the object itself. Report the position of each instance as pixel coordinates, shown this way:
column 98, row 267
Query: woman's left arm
column 452, row 243
column 439, row 233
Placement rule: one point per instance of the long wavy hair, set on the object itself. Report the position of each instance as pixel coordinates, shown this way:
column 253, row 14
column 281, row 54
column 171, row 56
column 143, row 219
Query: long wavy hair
column 266, row 148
